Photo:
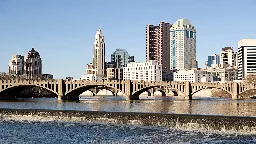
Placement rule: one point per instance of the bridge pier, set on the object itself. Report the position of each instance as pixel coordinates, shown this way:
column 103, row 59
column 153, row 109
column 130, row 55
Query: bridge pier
column 61, row 92
column 59, row 98
column 132, row 98
column 235, row 91
column 70, row 98
column 188, row 90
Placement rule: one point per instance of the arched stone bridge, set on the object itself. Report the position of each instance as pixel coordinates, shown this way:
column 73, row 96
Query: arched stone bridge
column 70, row 90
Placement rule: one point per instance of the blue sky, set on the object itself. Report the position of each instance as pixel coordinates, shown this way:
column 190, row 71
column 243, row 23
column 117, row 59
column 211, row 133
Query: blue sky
column 62, row 31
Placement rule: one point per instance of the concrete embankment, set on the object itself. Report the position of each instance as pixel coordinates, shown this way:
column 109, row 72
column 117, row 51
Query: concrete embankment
column 178, row 121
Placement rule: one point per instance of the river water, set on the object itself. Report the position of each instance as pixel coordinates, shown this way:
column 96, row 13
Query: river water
column 20, row 131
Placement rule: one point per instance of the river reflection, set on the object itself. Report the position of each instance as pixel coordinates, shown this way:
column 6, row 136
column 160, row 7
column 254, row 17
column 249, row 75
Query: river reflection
column 148, row 105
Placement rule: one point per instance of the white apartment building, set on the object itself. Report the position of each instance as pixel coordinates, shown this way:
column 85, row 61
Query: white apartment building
column 182, row 45
column 193, row 76
column 246, row 57
column 147, row 71
column 16, row 65
column 228, row 57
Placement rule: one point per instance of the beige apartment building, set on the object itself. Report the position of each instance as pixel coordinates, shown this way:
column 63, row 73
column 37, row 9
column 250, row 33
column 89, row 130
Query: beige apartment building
column 158, row 44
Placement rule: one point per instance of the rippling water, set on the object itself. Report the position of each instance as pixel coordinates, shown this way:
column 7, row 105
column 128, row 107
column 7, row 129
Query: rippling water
column 153, row 105
column 59, row 132
column 52, row 132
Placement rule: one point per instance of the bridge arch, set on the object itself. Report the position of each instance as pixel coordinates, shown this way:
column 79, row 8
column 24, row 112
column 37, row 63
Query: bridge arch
column 148, row 93
column 224, row 90
column 16, row 90
column 162, row 90
column 105, row 91
column 91, row 91
column 80, row 89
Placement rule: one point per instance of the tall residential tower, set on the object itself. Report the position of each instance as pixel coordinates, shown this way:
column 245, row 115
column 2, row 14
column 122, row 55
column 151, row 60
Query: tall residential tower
column 158, row 44
column 182, row 45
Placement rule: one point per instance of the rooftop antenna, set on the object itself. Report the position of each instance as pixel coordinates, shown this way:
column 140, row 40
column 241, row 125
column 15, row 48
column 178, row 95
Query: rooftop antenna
column 18, row 50
column 100, row 26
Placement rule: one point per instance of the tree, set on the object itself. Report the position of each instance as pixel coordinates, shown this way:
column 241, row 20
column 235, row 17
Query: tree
column 250, row 79
column 4, row 76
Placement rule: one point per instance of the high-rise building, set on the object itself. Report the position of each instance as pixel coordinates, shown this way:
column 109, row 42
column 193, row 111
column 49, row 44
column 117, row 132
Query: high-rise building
column 228, row 57
column 99, row 54
column 121, row 58
column 182, row 45
column 16, row 65
column 96, row 69
column 33, row 64
column 246, row 57
column 213, row 60
column 158, row 44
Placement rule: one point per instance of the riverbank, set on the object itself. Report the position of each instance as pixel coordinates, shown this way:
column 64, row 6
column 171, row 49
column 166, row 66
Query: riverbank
column 227, row 124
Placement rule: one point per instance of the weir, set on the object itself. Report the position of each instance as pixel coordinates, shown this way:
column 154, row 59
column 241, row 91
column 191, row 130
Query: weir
column 227, row 124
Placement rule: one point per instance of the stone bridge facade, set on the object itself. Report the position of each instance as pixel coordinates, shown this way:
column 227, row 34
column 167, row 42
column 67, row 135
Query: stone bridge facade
column 70, row 90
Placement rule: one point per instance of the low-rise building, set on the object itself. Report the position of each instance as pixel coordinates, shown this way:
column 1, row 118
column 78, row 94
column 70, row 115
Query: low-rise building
column 223, row 74
column 147, row 71
column 193, row 75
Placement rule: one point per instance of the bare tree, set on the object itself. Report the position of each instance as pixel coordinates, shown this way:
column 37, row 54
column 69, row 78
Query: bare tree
column 250, row 79
column 5, row 76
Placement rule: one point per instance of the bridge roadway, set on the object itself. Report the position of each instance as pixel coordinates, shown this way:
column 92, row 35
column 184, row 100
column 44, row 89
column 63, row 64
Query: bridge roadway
column 70, row 90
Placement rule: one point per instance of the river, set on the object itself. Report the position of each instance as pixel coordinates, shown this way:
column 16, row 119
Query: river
column 33, row 130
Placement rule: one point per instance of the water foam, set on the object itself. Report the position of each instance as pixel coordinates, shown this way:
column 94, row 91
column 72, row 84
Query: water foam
column 219, row 124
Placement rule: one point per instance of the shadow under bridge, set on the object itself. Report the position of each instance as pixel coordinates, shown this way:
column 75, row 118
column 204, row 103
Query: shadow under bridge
column 24, row 91
column 152, row 89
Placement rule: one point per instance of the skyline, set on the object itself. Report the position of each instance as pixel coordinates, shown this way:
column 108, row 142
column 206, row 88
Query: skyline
column 63, row 29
